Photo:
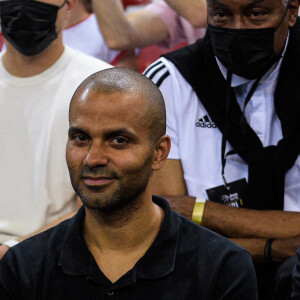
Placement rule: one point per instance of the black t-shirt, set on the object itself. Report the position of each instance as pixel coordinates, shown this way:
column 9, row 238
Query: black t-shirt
column 296, row 279
column 185, row 261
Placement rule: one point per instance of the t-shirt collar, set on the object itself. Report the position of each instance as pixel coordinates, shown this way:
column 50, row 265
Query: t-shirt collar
column 76, row 259
column 75, row 256
column 159, row 260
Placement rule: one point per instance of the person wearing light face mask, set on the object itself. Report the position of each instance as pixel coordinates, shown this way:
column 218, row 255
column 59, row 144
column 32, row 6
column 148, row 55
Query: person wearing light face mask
column 38, row 76
column 233, row 118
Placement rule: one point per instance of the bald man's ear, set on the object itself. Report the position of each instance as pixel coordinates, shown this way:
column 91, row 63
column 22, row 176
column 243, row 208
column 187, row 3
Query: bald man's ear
column 293, row 12
column 161, row 152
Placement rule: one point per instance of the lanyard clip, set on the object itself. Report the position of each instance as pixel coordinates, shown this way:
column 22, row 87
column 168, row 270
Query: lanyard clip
column 225, row 183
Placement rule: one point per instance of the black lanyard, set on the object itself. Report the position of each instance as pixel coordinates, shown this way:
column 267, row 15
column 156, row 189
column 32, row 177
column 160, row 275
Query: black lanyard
column 243, row 121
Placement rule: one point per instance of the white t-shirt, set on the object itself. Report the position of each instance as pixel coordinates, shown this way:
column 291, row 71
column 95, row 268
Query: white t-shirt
column 196, row 140
column 87, row 38
column 35, row 186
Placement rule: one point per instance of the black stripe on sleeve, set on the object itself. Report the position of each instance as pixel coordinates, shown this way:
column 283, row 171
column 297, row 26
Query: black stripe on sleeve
column 162, row 78
column 151, row 67
column 156, row 71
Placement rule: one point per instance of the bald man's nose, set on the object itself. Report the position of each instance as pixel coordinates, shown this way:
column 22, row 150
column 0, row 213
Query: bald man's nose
column 96, row 156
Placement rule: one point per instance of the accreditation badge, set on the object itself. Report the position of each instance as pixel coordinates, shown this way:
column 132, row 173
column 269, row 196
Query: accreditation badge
column 234, row 194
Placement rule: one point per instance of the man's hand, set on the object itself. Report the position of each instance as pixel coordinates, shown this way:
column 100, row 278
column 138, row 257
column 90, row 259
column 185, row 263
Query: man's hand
column 249, row 228
column 184, row 205
column 283, row 249
column 3, row 250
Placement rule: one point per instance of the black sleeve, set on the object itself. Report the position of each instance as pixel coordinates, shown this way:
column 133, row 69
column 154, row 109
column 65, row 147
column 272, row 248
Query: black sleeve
column 237, row 279
column 296, row 280
column 9, row 278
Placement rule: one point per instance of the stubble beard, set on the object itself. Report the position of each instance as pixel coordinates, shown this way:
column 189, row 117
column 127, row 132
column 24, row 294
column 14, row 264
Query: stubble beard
column 124, row 198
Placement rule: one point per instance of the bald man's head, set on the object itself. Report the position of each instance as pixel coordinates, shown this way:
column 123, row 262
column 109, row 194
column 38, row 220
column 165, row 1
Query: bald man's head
column 123, row 80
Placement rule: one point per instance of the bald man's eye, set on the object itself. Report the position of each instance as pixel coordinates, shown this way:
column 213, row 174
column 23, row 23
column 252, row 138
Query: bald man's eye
column 119, row 140
column 80, row 139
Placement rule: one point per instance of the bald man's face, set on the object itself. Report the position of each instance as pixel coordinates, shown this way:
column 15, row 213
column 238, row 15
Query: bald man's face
column 109, row 154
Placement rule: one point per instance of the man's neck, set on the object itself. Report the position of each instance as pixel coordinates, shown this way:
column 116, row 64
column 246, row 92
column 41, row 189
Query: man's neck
column 119, row 241
column 124, row 228
column 20, row 65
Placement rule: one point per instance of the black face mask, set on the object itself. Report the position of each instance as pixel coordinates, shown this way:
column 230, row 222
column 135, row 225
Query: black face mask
column 245, row 52
column 29, row 25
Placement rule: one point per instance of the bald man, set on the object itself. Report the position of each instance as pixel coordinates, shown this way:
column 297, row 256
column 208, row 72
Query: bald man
column 123, row 243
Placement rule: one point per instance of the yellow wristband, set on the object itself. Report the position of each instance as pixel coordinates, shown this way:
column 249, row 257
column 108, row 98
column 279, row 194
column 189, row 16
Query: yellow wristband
column 198, row 212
